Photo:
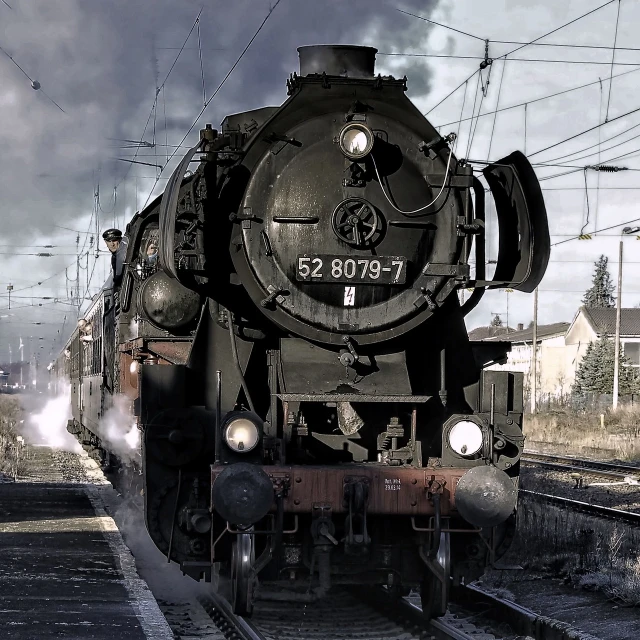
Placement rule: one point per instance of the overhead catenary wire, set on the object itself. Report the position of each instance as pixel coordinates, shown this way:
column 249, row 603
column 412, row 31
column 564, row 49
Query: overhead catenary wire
column 464, row 99
column 594, row 153
column 473, row 110
column 34, row 83
column 482, row 97
column 586, row 194
column 604, row 166
column 476, row 57
column 581, row 133
column 41, row 254
column 586, row 186
column 566, row 24
column 204, row 90
column 440, row 24
column 477, row 116
column 580, row 168
column 89, row 281
column 452, row 92
column 614, row 226
column 546, row 97
column 517, row 48
column 493, row 126
column 525, row 128
column 613, row 56
column 520, row 45
column 569, row 45
column 597, row 144
column 215, row 93
column 581, row 188
column 159, row 88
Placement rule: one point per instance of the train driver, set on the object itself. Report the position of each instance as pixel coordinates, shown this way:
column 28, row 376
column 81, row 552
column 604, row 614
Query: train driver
column 152, row 253
column 117, row 245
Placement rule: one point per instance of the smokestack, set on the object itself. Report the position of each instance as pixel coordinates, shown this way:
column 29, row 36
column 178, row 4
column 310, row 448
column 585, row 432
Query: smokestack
column 520, row 326
column 348, row 61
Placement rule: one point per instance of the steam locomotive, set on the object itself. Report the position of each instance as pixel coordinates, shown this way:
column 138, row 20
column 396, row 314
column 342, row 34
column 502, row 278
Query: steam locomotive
column 312, row 411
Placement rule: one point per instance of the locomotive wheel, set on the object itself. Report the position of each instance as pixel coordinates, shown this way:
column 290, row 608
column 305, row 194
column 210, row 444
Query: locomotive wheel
column 242, row 579
column 434, row 593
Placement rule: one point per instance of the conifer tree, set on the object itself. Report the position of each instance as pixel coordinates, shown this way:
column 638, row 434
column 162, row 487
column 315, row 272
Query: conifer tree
column 595, row 373
column 600, row 294
column 496, row 321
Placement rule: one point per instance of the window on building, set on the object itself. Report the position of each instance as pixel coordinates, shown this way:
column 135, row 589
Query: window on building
column 632, row 351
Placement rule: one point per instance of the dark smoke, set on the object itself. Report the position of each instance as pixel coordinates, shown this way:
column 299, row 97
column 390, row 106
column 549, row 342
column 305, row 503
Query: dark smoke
column 101, row 61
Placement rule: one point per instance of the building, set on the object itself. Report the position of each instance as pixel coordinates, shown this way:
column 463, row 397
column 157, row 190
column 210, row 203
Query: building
column 551, row 374
column 591, row 324
column 561, row 346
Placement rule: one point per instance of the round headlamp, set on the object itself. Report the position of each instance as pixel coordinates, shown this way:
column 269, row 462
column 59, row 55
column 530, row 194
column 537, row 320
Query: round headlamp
column 465, row 438
column 356, row 140
column 241, row 435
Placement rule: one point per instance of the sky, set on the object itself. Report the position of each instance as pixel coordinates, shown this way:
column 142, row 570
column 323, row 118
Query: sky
column 101, row 64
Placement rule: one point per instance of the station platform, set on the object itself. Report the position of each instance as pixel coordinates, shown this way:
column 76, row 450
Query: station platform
column 65, row 571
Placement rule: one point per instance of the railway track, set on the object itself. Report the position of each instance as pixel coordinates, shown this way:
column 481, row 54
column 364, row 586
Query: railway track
column 570, row 463
column 372, row 616
column 340, row 616
column 584, row 507
column 611, row 470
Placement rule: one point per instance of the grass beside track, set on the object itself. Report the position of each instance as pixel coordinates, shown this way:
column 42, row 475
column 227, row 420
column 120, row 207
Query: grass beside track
column 611, row 435
column 588, row 552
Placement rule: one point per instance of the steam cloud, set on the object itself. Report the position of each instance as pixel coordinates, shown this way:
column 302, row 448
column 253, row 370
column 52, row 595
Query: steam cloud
column 49, row 425
column 119, row 430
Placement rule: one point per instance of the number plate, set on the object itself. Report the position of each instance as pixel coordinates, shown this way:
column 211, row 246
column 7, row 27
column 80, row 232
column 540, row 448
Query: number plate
column 357, row 270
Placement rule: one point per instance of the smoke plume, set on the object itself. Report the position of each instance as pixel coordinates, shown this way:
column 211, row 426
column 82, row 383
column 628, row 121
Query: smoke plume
column 48, row 425
column 119, row 430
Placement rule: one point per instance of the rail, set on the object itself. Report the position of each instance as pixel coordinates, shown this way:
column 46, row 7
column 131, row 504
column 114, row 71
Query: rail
column 373, row 615
column 521, row 620
column 231, row 625
column 584, row 507
column 571, row 463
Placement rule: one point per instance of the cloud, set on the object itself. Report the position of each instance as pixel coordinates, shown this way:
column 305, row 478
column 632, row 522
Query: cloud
column 101, row 61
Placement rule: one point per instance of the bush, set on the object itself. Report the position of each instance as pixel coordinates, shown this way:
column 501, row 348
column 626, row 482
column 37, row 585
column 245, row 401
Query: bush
column 10, row 415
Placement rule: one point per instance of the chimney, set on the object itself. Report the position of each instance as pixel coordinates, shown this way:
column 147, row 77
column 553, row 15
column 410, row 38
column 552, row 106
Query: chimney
column 348, row 61
column 520, row 326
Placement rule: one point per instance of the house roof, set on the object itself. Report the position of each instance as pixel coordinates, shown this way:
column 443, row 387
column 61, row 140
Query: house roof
column 526, row 335
column 483, row 333
column 604, row 320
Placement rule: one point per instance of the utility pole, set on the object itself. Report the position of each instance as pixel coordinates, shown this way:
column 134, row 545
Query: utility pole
column 616, row 357
column 534, row 353
column 78, row 270
column 507, row 312
column 9, row 289
column 508, row 292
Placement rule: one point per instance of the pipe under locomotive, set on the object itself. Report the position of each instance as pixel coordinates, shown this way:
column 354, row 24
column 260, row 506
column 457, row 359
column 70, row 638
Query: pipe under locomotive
column 312, row 409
